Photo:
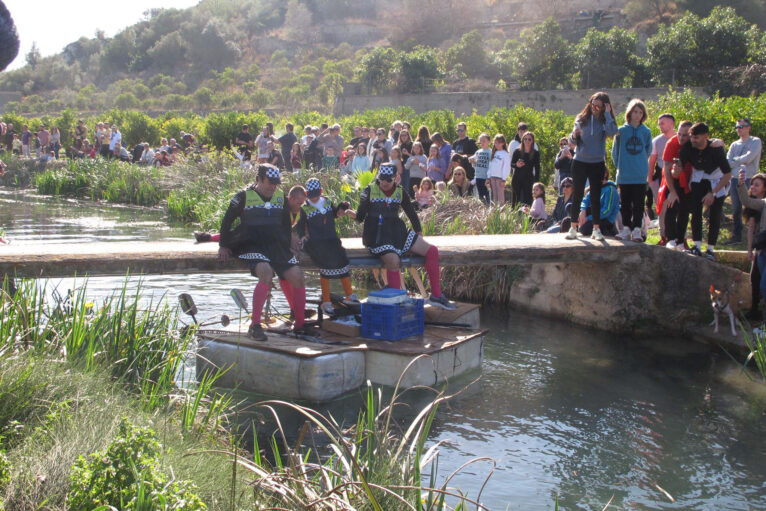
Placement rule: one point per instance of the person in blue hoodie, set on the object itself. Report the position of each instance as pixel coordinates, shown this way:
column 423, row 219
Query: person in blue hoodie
column 630, row 153
column 592, row 127
column 610, row 207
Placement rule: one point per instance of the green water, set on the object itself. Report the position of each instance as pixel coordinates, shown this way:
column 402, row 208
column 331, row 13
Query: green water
column 561, row 409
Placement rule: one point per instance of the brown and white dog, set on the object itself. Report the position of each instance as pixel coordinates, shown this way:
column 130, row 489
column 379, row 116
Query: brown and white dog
column 721, row 302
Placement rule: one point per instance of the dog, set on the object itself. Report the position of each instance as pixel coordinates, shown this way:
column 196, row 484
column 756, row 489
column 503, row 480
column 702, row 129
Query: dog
column 721, row 303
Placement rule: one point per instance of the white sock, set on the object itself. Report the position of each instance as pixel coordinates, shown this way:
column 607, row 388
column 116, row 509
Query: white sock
column 698, row 244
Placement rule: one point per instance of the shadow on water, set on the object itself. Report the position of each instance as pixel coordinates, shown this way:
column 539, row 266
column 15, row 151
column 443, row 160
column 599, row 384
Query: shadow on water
column 563, row 409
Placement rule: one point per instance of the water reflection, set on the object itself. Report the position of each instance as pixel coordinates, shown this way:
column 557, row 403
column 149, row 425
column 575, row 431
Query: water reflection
column 564, row 410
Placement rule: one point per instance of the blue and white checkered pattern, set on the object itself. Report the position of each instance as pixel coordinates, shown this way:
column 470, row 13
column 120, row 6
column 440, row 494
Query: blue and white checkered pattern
column 387, row 170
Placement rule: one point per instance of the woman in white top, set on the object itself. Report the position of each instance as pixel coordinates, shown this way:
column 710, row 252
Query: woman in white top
column 499, row 169
column 262, row 144
column 361, row 161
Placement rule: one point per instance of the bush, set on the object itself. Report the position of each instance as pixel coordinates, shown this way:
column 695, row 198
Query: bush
column 126, row 475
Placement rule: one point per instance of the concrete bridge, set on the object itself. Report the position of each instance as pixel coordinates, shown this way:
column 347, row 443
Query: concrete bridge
column 615, row 286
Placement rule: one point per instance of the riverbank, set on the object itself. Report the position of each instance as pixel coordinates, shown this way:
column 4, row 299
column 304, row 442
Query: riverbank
column 93, row 412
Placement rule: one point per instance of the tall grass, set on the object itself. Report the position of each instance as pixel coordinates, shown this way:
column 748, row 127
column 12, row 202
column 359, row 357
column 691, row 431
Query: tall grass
column 756, row 343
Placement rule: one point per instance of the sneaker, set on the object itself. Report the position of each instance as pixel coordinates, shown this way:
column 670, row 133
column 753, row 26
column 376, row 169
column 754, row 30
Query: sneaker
column 351, row 299
column 442, row 302
column 624, row 234
column 710, row 255
column 670, row 244
column 636, row 235
column 694, row 251
column 572, row 234
column 256, row 333
column 327, row 308
column 201, row 237
column 597, row 234
column 663, row 242
column 654, row 224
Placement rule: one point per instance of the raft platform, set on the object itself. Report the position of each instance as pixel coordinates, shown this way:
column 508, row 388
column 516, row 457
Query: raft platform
column 295, row 368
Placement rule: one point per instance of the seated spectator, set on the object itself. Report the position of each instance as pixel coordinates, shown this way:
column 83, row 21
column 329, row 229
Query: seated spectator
column 460, row 160
column 346, row 168
column 460, row 185
column 274, row 156
column 147, row 155
column 563, row 163
column 424, row 194
column 137, row 152
column 120, row 152
column 163, row 160
column 47, row 157
column 330, row 161
column 537, row 212
column 610, row 208
column 344, row 155
column 163, row 145
column 559, row 219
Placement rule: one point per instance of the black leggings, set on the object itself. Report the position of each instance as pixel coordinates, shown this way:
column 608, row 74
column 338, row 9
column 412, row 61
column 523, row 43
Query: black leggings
column 593, row 172
column 699, row 190
column 632, row 205
column 677, row 215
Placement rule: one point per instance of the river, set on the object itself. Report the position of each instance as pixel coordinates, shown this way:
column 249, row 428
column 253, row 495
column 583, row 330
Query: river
column 563, row 410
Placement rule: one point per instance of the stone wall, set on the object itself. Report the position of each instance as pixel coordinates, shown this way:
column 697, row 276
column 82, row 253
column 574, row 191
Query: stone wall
column 570, row 101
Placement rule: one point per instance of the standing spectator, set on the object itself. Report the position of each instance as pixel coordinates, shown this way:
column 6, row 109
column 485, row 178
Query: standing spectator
column 115, row 138
column 26, row 139
column 296, row 157
column 526, row 170
column 630, row 153
column 481, row 160
column 445, row 152
column 330, row 161
column 593, row 125
column 274, row 157
column 434, row 170
column 424, row 137
column 307, row 137
column 99, row 135
column 8, row 138
column 711, row 174
column 286, row 142
column 16, row 145
column 361, row 162
column 262, row 143
column 357, row 136
column 499, row 169
column 331, row 137
column 381, row 141
column 744, row 154
column 754, row 201
column 459, row 185
column 521, row 128
column 405, row 144
column 466, row 146
column 676, row 198
column 396, row 129
column 563, row 163
column 667, row 124
column 380, row 156
column 395, row 159
column 80, row 134
column 44, row 136
column 416, row 165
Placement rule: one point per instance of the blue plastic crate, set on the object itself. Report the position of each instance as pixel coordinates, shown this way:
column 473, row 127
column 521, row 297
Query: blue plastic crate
column 393, row 322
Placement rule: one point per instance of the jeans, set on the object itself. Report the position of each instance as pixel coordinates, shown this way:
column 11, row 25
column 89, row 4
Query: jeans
column 736, row 207
column 481, row 187
column 761, row 260
column 699, row 190
column 632, row 205
column 582, row 172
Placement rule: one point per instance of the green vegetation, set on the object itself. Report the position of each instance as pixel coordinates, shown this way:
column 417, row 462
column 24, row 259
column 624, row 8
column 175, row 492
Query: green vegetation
column 253, row 54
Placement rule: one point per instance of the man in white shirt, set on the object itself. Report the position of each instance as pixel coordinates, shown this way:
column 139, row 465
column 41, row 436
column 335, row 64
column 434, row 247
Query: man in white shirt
column 114, row 138
column 744, row 153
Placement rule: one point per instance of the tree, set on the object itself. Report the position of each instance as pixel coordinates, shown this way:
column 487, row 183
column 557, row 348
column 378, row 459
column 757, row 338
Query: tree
column 638, row 11
column 416, row 67
column 542, row 59
column 606, row 59
column 375, row 69
column 468, row 53
column 33, row 57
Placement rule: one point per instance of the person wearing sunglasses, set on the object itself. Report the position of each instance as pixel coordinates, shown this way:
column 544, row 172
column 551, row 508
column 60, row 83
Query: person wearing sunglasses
column 465, row 146
column 744, row 154
column 593, row 126
column 559, row 219
column 263, row 239
column 563, row 163
column 386, row 235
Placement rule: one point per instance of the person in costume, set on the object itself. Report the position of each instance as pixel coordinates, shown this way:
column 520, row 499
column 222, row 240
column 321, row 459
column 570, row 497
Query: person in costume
column 387, row 236
column 263, row 239
column 321, row 241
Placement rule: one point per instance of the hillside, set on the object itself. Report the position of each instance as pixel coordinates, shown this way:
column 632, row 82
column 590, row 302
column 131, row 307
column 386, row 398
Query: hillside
column 253, row 54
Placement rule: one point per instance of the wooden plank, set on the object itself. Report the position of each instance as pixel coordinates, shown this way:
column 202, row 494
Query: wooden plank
column 119, row 258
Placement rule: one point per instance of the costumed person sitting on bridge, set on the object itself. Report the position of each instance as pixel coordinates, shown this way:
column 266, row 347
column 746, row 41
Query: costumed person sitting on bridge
column 321, row 241
column 263, row 239
column 386, row 235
